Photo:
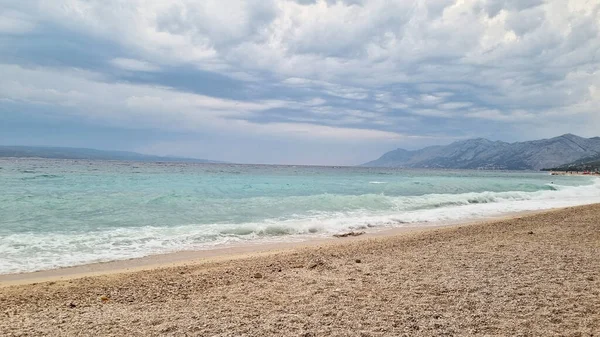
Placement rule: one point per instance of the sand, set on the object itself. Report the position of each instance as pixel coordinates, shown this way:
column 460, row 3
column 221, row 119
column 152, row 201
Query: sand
column 189, row 257
column 534, row 275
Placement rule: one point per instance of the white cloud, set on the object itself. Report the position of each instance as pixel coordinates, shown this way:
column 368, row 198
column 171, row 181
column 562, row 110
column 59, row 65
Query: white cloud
column 507, row 46
column 98, row 99
column 430, row 99
column 508, row 61
column 133, row 65
column 305, row 130
column 159, row 107
column 497, row 115
column 431, row 113
column 14, row 22
column 454, row 105
column 332, row 89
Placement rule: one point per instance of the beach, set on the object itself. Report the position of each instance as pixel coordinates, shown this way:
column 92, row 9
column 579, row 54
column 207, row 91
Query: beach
column 526, row 275
column 59, row 213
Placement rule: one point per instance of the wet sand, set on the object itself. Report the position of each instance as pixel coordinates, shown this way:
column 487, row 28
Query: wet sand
column 187, row 258
column 528, row 275
column 220, row 253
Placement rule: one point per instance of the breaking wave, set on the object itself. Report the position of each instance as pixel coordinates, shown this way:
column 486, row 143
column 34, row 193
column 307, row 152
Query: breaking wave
column 31, row 251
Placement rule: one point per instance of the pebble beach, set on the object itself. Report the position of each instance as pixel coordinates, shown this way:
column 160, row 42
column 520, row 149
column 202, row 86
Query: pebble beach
column 533, row 275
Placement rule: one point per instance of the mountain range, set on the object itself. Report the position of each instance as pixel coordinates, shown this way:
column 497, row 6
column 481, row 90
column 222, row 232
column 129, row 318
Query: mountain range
column 90, row 154
column 585, row 164
column 482, row 153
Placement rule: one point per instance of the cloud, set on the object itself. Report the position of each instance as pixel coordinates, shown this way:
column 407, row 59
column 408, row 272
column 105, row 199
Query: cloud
column 306, row 130
column 454, row 105
column 133, row 65
column 431, row 113
column 361, row 46
column 497, row 115
column 87, row 95
column 378, row 69
column 14, row 22
column 328, row 88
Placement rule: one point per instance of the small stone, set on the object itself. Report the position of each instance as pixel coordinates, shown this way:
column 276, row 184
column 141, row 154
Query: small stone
column 530, row 232
column 72, row 305
column 315, row 264
column 258, row 275
column 103, row 298
column 357, row 261
column 414, row 327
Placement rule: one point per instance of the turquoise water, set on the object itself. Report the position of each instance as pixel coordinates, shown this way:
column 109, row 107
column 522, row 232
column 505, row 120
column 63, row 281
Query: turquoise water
column 56, row 213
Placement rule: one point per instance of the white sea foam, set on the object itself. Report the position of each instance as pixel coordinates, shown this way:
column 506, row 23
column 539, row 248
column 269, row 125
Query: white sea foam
column 377, row 182
column 30, row 251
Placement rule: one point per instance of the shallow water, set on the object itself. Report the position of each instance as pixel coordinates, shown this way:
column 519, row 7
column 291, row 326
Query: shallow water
column 56, row 213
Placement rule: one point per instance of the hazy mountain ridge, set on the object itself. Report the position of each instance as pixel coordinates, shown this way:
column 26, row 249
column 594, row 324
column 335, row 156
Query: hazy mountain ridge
column 90, row 154
column 482, row 153
column 588, row 163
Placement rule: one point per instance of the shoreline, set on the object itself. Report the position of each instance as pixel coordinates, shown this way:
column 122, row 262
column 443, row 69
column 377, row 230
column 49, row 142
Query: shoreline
column 231, row 252
column 107, row 262
column 575, row 173
column 194, row 257
column 530, row 275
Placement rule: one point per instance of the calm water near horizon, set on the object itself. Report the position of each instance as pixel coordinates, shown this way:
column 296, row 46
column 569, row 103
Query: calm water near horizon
column 57, row 213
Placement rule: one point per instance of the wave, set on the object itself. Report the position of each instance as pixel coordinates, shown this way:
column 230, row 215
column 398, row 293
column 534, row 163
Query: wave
column 37, row 251
column 43, row 176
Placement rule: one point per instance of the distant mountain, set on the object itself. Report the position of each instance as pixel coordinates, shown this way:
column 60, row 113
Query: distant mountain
column 91, row 154
column 585, row 164
column 485, row 154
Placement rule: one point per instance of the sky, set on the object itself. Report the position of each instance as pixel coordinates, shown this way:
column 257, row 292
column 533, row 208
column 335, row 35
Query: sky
column 295, row 81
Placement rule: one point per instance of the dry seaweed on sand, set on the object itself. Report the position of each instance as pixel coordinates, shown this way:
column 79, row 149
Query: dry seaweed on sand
column 348, row 234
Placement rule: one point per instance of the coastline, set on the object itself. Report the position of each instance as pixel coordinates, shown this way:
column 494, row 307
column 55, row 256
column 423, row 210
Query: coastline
column 534, row 274
column 575, row 173
column 160, row 223
column 230, row 252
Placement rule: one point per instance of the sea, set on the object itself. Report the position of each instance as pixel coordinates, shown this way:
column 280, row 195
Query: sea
column 59, row 213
